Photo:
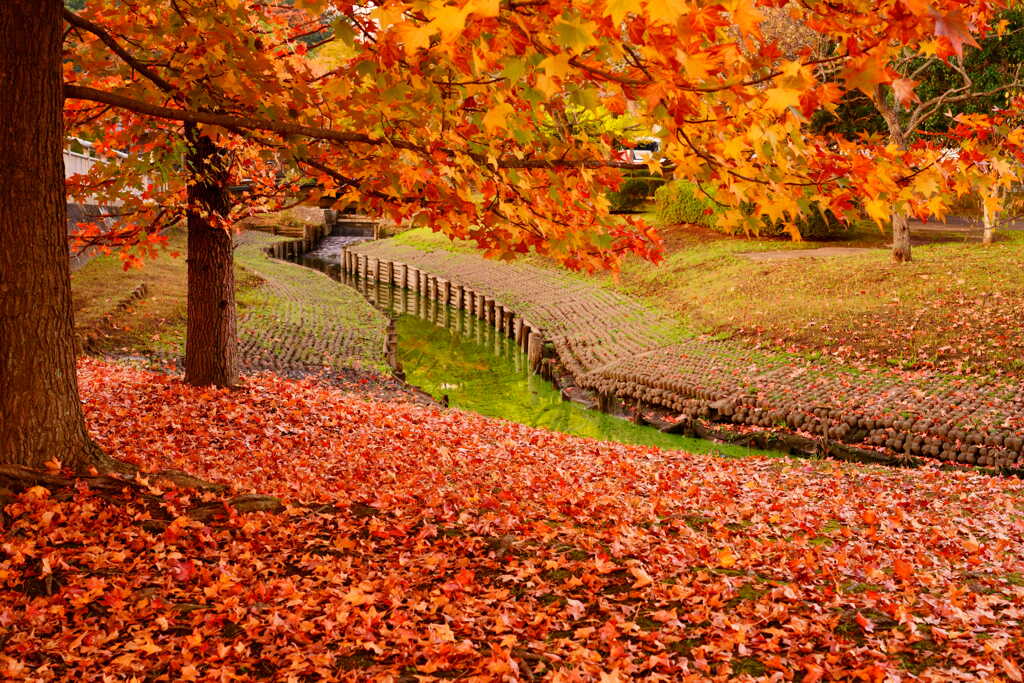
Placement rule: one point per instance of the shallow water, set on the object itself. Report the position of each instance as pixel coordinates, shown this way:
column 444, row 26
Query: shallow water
column 450, row 353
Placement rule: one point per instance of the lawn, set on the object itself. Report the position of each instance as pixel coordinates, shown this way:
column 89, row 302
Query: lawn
column 151, row 325
column 958, row 307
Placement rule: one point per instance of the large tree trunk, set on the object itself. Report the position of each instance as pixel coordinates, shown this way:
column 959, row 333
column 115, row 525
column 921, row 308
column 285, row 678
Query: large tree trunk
column 40, row 412
column 900, row 238
column 211, row 343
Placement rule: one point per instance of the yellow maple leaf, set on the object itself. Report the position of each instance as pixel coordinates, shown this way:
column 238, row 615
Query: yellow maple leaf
column 726, row 559
column 665, row 11
column 497, row 117
column 781, row 99
column 879, row 210
column 734, row 147
column 697, row 65
column 746, row 17
column 618, row 9
column 556, row 65
column 449, row 20
column 485, row 8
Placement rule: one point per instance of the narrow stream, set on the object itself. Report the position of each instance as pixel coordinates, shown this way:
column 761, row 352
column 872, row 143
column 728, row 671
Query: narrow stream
column 450, row 353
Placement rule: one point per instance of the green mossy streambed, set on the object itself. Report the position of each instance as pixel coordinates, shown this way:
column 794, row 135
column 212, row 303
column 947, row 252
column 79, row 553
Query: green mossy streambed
column 451, row 354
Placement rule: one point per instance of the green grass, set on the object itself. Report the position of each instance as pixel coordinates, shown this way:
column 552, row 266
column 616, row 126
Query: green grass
column 955, row 306
column 427, row 240
column 154, row 324
column 302, row 311
column 958, row 307
column 283, row 307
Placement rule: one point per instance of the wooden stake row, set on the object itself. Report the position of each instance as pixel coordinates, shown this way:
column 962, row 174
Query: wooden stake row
column 509, row 323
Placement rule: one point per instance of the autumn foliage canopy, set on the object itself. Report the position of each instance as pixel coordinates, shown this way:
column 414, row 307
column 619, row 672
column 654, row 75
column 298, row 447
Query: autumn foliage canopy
column 462, row 115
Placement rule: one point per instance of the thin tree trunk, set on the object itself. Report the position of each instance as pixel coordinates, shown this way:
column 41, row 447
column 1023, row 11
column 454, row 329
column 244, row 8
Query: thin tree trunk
column 897, row 136
column 986, row 237
column 40, row 412
column 988, row 222
column 211, row 344
column 900, row 238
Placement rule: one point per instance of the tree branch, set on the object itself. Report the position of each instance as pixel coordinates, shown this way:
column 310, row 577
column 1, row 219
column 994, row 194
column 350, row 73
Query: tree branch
column 230, row 121
column 115, row 47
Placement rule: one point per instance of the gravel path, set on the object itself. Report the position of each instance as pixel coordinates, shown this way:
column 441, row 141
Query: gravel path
column 612, row 343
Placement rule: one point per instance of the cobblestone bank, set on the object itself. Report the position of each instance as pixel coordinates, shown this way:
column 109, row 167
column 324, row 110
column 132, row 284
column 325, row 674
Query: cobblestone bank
column 299, row 319
column 617, row 347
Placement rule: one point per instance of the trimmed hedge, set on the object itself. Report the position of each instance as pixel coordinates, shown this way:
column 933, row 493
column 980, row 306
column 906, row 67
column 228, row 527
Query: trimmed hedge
column 815, row 224
column 636, row 189
column 681, row 201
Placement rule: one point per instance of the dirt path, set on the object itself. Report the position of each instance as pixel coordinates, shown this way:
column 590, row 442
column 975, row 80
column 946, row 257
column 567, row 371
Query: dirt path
column 791, row 254
column 613, row 344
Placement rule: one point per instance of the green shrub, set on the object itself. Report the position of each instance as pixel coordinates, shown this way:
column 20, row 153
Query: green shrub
column 682, row 202
column 814, row 224
column 636, row 189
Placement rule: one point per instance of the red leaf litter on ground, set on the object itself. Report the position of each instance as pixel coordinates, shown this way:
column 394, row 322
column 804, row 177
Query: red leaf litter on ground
column 429, row 544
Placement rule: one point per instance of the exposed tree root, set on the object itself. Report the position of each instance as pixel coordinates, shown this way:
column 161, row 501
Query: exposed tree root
column 15, row 479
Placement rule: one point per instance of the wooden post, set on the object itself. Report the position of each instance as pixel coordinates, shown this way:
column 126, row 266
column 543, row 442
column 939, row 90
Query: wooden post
column 460, row 296
column 499, row 318
column 535, row 348
column 519, row 331
column 404, row 275
column 447, row 293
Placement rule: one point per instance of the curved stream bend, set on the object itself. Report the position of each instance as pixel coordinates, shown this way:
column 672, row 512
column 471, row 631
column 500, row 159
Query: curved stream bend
column 457, row 357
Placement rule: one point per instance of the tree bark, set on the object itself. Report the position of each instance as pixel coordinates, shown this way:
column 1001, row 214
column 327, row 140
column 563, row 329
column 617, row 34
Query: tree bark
column 900, row 238
column 897, row 136
column 40, row 412
column 986, row 237
column 988, row 221
column 211, row 343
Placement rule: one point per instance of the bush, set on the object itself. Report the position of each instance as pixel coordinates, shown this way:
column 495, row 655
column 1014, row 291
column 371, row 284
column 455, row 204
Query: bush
column 682, row 202
column 814, row 224
column 636, row 189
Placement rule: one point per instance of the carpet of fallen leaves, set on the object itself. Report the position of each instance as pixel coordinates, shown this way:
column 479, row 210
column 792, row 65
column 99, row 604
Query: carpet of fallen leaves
column 423, row 544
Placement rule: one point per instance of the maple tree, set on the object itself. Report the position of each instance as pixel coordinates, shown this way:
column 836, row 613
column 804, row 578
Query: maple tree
column 438, row 113
column 905, row 113
column 449, row 108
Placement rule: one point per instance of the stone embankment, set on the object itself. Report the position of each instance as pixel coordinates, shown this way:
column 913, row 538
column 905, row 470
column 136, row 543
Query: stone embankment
column 616, row 350
column 299, row 319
